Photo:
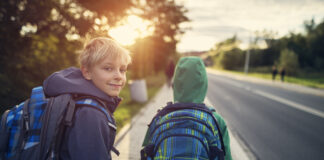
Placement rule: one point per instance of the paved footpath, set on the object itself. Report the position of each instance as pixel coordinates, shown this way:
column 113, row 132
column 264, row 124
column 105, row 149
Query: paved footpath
column 129, row 139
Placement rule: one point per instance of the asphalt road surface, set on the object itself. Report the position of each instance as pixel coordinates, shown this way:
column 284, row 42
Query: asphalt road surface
column 273, row 123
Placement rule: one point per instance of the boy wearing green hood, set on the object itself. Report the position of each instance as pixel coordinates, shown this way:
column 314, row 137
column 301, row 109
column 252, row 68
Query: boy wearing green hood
column 190, row 85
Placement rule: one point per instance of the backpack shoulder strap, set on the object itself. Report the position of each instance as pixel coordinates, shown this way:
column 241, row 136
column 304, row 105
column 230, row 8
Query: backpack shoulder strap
column 213, row 110
column 180, row 106
column 58, row 115
column 170, row 107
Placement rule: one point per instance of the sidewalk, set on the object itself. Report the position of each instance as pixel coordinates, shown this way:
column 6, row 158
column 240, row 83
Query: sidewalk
column 284, row 85
column 129, row 139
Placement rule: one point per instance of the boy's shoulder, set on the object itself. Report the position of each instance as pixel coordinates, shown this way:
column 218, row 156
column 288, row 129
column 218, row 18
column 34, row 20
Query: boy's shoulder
column 219, row 118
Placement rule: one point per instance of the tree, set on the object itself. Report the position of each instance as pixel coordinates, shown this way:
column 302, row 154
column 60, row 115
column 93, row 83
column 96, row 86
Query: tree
column 289, row 60
column 36, row 38
column 40, row 37
column 315, row 41
column 151, row 53
column 226, row 45
column 231, row 59
column 166, row 16
column 142, row 58
column 308, row 46
column 227, row 54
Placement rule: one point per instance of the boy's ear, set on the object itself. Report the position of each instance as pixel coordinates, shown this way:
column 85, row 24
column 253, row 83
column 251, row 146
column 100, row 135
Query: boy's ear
column 86, row 73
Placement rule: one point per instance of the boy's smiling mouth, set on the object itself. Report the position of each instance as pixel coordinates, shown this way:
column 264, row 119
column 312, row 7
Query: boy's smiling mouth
column 115, row 85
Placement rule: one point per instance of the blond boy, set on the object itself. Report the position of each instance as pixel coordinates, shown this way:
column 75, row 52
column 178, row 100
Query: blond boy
column 101, row 77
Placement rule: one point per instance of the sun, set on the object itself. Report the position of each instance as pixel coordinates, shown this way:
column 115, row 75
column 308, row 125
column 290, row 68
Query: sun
column 132, row 27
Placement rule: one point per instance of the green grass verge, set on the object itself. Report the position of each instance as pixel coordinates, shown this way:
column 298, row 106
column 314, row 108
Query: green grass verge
column 311, row 80
column 128, row 108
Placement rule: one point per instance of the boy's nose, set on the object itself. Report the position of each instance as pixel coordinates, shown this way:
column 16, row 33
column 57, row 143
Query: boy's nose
column 118, row 75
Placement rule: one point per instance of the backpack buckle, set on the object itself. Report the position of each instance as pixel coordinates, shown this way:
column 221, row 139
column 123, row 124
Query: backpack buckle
column 147, row 151
column 69, row 113
column 25, row 115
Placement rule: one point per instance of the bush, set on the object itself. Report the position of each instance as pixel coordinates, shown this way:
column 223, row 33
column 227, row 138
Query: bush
column 231, row 59
column 289, row 60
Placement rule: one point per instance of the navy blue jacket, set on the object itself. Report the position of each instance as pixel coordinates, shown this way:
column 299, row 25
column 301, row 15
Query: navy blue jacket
column 90, row 137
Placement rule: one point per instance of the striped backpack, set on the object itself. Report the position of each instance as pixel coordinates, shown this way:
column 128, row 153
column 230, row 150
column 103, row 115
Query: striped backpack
column 35, row 128
column 184, row 131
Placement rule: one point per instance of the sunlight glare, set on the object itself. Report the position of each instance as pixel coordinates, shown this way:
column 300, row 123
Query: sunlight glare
column 133, row 27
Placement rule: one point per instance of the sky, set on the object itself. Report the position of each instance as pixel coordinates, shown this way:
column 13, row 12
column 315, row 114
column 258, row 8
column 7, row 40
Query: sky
column 213, row 21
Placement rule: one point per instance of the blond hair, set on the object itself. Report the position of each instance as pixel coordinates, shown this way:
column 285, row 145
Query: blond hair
column 99, row 48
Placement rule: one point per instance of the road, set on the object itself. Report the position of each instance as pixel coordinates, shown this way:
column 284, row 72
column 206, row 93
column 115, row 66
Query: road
column 272, row 122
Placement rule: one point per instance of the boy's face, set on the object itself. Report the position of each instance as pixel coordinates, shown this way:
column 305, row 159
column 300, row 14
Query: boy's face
column 109, row 75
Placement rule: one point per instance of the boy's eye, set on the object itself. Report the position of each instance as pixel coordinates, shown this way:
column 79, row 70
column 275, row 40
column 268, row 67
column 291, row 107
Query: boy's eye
column 123, row 70
column 108, row 68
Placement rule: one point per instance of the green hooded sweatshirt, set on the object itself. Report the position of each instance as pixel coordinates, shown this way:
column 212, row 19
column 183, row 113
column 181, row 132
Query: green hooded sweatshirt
column 190, row 85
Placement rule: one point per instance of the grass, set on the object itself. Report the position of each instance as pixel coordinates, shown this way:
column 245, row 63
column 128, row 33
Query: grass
column 128, row 108
column 314, row 80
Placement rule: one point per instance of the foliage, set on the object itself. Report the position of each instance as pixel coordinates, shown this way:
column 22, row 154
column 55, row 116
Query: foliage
column 226, row 45
column 142, row 58
column 304, row 50
column 308, row 46
column 45, row 55
column 36, row 39
column 227, row 54
column 40, row 37
column 151, row 53
column 289, row 61
column 231, row 59
column 166, row 16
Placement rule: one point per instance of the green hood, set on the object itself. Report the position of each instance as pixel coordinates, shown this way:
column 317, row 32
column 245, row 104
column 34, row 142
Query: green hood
column 190, row 80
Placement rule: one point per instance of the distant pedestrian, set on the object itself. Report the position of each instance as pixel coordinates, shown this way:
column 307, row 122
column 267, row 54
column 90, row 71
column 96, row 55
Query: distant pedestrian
column 274, row 72
column 169, row 70
column 282, row 73
column 187, row 128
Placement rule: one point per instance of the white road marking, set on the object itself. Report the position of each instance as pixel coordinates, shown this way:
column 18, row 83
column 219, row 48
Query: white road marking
column 291, row 104
column 278, row 99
